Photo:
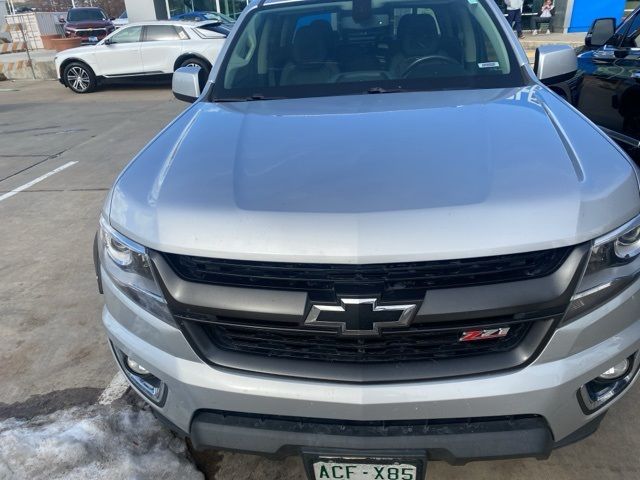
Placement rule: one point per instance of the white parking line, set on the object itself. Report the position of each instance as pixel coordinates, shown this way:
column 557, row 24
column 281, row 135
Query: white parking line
column 115, row 390
column 37, row 180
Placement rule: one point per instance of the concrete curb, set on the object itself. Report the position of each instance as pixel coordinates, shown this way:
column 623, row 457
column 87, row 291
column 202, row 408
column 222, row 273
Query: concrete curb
column 8, row 67
column 20, row 70
column 12, row 47
column 16, row 66
column 533, row 44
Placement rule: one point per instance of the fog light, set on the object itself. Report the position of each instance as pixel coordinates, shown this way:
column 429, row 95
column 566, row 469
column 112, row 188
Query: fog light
column 146, row 383
column 136, row 367
column 603, row 389
column 617, row 371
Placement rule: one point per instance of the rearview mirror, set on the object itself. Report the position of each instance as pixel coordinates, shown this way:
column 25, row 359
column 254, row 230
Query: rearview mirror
column 186, row 84
column 555, row 63
column 602, row 29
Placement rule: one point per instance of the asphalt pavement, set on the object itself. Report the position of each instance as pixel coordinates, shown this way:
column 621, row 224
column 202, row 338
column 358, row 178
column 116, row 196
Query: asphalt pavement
column 59, row 154
column 49, row 304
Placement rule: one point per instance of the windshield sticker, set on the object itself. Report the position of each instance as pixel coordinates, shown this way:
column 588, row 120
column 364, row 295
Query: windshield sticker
column 489, row 65
column 473, row 2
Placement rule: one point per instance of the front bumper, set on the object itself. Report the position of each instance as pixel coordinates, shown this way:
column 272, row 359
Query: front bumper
column 456, row 442
column 544, row 393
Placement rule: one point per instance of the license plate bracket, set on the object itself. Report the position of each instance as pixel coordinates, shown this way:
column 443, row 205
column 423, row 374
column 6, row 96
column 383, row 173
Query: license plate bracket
column 364, row 466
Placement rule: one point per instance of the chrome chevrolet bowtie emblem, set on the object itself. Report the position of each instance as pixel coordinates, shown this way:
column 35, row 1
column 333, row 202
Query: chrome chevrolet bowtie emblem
column 360, row 316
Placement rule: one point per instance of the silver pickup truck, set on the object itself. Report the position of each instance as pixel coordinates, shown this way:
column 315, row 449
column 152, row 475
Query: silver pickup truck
column 376, row 239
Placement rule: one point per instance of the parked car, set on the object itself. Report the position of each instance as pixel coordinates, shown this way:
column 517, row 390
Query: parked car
column 148, row 50
column 122, row 20
column 203, row 16
column 349, row 246
column 610, row 94
column 91, row 24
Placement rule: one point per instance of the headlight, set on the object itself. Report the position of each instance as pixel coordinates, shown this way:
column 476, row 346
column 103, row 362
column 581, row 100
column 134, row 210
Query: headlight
column 128, row 266
column 613, row 265
column 628, row 244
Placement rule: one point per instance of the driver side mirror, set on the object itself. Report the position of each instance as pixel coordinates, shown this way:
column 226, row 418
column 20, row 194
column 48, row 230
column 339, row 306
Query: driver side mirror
column 602, row 29
column 107, row 41
column 186, row 84
column 555, row 63
column 61, row 19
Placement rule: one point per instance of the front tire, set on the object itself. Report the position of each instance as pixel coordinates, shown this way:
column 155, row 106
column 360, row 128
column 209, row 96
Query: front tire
column 204, row 69
column 80, row 78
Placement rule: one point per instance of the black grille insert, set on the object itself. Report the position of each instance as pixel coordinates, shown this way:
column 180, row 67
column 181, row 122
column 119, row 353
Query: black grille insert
column 376, row 428
column 100, row 32
column 393, row 281
column 416, row 343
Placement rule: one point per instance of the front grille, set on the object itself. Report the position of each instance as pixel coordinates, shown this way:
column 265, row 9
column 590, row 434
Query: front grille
column 232, row 334
column 416, row 343
column 98, row 32
column 390, row 281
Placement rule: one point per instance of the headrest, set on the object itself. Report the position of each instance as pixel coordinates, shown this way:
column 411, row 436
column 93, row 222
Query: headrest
column 310, row 45
column 323, row 26
column 418, row 35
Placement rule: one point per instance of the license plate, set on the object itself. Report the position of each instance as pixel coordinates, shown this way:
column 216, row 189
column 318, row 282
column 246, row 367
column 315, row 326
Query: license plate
column 93, row 39
column 344, row 469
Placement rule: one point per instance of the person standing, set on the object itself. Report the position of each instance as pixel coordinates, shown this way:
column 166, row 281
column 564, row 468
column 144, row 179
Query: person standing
column 546, row 16
column 514, row 15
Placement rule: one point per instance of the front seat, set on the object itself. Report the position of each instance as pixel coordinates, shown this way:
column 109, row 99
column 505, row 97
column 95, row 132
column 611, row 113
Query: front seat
column 310, row 53
column 417, row 37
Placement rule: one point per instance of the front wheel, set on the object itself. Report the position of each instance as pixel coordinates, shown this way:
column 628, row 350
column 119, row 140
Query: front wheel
column 79, row 77
column 204, row 69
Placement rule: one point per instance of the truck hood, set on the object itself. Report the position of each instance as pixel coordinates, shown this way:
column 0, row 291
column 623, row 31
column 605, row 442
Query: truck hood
column 366, row 179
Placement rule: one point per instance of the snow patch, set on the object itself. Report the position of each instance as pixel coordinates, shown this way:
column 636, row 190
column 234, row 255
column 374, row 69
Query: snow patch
column 115, row 390
column 92, row 443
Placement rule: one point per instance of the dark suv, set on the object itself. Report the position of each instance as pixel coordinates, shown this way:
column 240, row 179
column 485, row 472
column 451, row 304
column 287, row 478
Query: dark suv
column 610, row 93
column 91, row 24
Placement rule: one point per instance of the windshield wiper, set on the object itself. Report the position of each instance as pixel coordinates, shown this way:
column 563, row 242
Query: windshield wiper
column 250, row 98
column 373, row 90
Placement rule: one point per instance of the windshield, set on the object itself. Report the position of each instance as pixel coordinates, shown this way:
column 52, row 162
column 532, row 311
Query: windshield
column 83, row 15
column 331, row 48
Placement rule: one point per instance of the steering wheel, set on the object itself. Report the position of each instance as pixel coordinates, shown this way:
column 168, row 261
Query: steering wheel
column 428, row 59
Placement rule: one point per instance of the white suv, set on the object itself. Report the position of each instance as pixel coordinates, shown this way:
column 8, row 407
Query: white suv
column 149, row 49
